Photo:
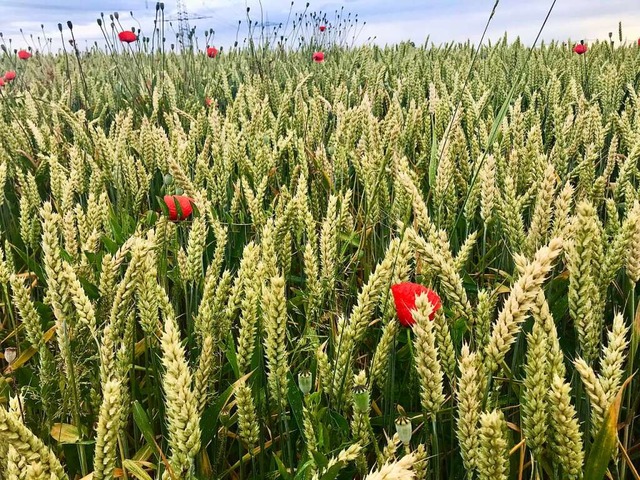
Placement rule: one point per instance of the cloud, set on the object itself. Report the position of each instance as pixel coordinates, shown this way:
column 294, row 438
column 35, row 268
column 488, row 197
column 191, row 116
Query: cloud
column 389, row 22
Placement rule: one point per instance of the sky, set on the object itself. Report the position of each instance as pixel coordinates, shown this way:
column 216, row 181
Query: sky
column 379, row 21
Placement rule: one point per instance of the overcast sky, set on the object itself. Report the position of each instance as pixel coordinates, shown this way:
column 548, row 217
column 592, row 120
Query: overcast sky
column 387, row 21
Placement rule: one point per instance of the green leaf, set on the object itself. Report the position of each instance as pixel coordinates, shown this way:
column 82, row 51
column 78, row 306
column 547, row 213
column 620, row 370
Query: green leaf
column 321, row 460
column 333, row 472
column 340, row 422
column 230, row 351
column 209, row 420
column 151, row 218
column 65, row 433
column 179, row 211
column 89, row 288
column 142, row 421
column 301, row 472
column 134, row 468
column 350, row 238
column 109, row 244
column 295, row 401
column 144, row 453
column 33, row 266
column 605, row 443
column 163, row 206
column 284, row 473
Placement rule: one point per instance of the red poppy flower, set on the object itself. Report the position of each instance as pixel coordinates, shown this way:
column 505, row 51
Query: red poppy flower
column 323, row 28
column 639, row 42
column 185, row 205
column 127, row 36
column 10, row 76
column 404, row 296
column 208, row 101
column 23, row 55
column 318, row 57
column 212, row 52
column 580, row 48
column 1, row 82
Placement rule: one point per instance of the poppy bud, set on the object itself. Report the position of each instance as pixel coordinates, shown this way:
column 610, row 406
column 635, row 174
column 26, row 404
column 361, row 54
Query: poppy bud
column 361, row 398
column 168, row 179
column 69, row 24
column 403, row 427
column 304, row 382
column 60, row 27
column 100, row 22
column 157, row 6
column 116, row 15
column 225, row 417
column 10, row 354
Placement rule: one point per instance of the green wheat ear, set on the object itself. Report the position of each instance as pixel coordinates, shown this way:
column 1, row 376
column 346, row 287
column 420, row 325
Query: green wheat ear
column 259, row 338
column 493, row 453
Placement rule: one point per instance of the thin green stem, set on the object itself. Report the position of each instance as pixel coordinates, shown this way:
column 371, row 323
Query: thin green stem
column 435, row 447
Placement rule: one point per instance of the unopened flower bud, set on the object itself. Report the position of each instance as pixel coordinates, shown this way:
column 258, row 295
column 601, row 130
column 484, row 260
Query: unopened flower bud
column 304, row 382
column 361, row 398
column 10, row 354
column 224, row 417
column 403, row 427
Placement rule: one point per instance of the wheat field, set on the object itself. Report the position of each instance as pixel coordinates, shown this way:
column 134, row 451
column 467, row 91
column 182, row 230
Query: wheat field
column 198, row 254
